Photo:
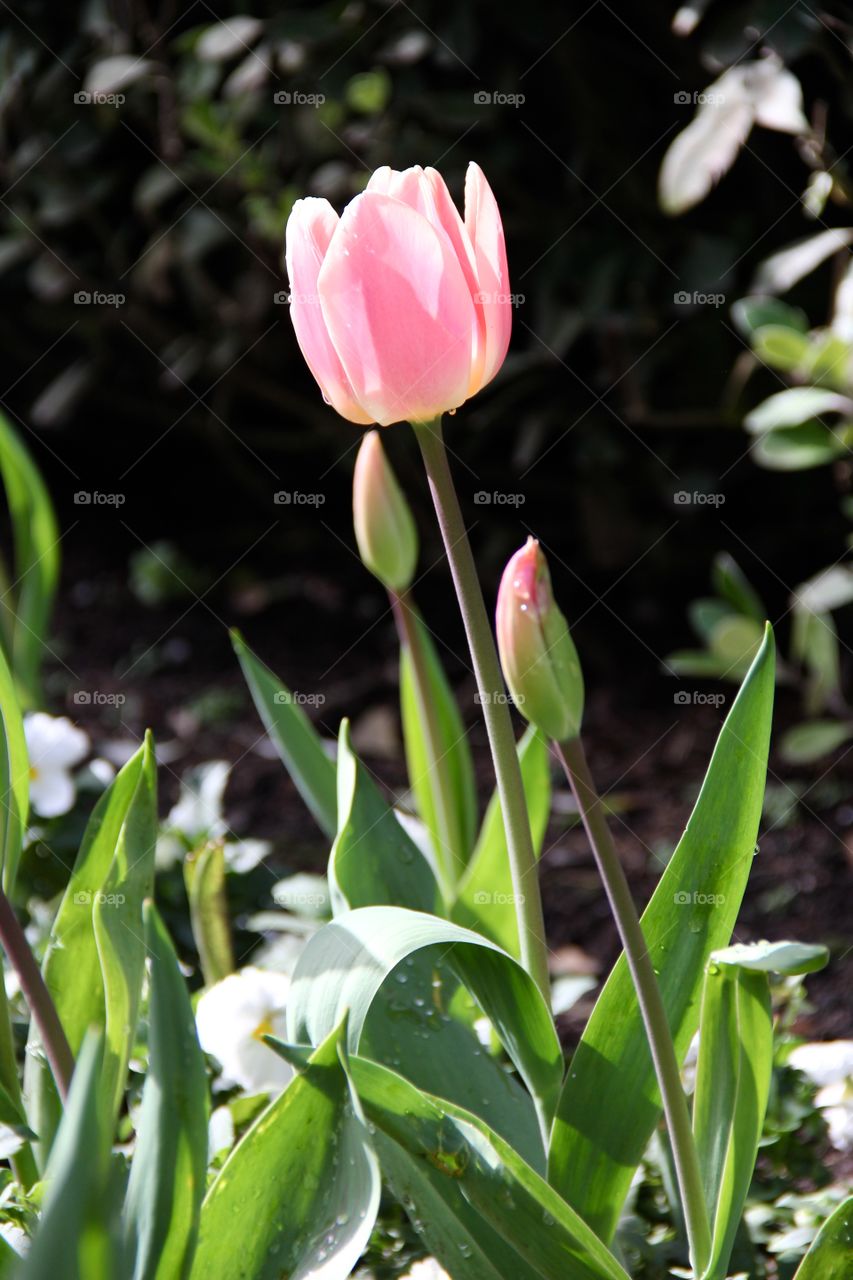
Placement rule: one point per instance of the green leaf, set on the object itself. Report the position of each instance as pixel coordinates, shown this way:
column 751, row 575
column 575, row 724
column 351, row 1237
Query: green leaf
column 705, row 615
column 610, row 1103
column 14, row 777
column 754, row 313
column 732, row 1085
column 486, row 899
column 36, row 537
column 344, row 966
column 294, row 737
column 814, row 641
column 76, row 1237
column 169, row 1168
column 72, row 966
column 696, row 662
column 204, row 876
column 780, row 347
column 831, row 1254
column 119, row 928
column 373, row 859
column 482, row 1212
column 732, row 584
column 735, row 641
column 794, row 406
column 299, row 1194
column 798, row 448
column 454, row 753
column 813, row 740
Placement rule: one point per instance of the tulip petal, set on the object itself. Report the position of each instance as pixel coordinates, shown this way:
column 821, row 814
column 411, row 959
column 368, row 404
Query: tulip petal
column 310, row 228
column 398, row 310
column 483, row 223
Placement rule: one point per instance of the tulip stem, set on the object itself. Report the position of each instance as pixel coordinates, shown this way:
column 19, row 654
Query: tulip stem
column 448, row 859
column 573, row 759
column 39, row 1000
column 493, row 700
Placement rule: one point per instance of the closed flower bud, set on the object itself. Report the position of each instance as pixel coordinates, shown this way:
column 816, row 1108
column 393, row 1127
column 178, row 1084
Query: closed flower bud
column 538, row 656
column 384, row 528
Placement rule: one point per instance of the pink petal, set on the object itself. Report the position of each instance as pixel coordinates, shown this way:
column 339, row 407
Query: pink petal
column 483, row 223
column 398, row 310
column 310, row 227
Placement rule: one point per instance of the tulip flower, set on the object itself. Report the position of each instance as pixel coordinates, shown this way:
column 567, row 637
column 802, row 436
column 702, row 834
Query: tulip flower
column 384, row 528
column 538, row 656
column 401, row 308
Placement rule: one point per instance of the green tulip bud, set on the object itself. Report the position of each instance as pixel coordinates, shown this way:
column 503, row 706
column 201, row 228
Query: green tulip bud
column 538, row 656
column 384, row 527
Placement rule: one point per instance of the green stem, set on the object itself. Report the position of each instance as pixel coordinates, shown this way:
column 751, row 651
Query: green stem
column 493, row 700
column 573, row 759
column 450, row 864
column 23, row 1161
column 56, row 1047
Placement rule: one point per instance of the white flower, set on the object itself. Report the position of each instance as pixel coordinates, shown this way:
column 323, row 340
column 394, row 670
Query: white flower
column 426, row 1269
column 830, row 1065
column 233, row 1016
column 54, row 746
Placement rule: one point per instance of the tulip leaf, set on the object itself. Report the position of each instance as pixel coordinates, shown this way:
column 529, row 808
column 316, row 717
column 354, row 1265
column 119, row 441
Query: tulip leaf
column 204, row 876
column 119, row 928
column 610, row 1104
column 76, row 1235
column 481, row 1211
column 831, row 1254
column 299, row 1194
column 486, row 898
column 72, row 966
column 454, row 753
column 345, row 965
column 169, row 1168
column 36, row 567
column 294, row 737
column 14, row 777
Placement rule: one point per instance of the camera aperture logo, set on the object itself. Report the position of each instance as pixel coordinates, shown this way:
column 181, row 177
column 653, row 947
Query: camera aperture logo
column 698, row 899
column 84, row 898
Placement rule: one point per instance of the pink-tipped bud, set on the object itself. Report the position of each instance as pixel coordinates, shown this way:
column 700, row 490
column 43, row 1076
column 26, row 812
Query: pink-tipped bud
column 384, row 527
column 538, row 656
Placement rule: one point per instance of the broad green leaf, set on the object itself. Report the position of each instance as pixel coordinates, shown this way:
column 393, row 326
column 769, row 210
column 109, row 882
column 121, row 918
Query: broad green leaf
column 794, row 406
column 14, row 777
column 814, row 643
column 119, row 928
column 169, row 1168
column 732, row 584
column 344, row 966
column 736, row 640
column 204, row 876
column 72, row 966
column 610, row 1103
column 76, row 1236
column 732, row 1085
column 479, row 1208
column 754, row 313
column 373, row 860
column 829, row 361
column 36, row 536
column 706, row 614
column 831, row 1254
column 455, row 766
column 299, row 1194
column 294, row 737
column 696, row 662
column 814, row 739
column 780, row 347
column 486, row 899
column 798, row 448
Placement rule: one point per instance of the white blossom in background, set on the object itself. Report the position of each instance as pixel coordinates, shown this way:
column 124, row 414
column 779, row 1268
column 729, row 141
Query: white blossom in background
column 233, row 1016
column 198, row 815
column 54, row 746
column 426, row 1269
column 829, row 1064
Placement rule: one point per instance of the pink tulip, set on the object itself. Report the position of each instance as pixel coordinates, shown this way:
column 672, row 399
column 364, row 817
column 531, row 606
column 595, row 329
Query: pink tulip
column 401, row 310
